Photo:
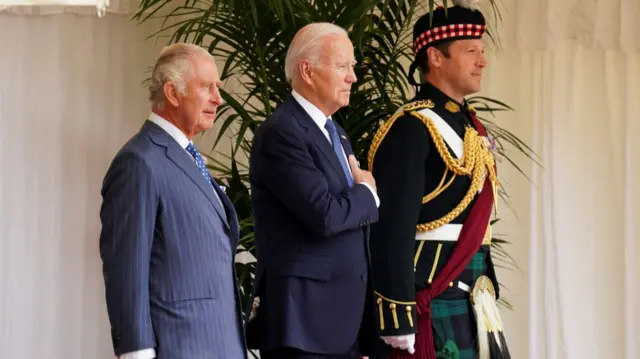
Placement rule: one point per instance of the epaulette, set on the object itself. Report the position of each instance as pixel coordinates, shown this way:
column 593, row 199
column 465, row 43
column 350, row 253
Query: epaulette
column 418, row 105
column 406, row 109
column 472, row 109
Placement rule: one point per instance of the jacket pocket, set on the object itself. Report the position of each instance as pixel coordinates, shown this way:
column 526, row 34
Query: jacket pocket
column 175, row 290
column 310, row 267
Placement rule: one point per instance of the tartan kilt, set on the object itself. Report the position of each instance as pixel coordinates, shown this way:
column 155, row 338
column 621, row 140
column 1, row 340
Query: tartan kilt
column 453, row 320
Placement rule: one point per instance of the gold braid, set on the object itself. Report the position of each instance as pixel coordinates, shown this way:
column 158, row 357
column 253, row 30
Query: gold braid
column 476, row 162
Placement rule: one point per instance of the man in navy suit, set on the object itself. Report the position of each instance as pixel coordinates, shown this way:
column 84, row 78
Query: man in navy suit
column 169, row 234
column 312, row 210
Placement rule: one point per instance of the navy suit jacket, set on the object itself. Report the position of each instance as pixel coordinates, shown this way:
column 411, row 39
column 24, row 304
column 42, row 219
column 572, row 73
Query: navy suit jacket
column 168, row 249
column 311, row 233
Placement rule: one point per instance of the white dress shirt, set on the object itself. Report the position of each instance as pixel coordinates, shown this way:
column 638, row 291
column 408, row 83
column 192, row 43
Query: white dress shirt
column 171, row 129
column 321, row 120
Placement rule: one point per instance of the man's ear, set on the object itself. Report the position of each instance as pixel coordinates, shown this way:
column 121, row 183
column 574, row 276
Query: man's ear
column 171, row 93
column 306, row 72
column 434, row 57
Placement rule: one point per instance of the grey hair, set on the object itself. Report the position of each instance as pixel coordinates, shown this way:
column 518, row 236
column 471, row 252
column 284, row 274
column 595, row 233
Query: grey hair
column 305, row 45
column 173, row 65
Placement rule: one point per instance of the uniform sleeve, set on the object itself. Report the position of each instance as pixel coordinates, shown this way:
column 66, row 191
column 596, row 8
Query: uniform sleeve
column 399, row 171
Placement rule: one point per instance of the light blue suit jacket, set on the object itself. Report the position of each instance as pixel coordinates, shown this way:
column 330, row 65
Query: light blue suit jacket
column 168, row 249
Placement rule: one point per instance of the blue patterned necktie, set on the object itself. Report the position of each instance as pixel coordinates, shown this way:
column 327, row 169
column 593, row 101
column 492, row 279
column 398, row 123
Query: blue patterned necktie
column 203, row 169
column 199, row 161
column 337, row 148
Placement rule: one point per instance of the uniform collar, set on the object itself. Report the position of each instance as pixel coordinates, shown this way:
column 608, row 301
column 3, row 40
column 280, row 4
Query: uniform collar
column 440, row 99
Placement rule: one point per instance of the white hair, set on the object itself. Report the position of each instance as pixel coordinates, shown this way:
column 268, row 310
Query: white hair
column 469, row 4
column 305, row 45
column 173, row 65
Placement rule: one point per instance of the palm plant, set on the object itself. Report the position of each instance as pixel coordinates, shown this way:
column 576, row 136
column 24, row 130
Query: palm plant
column 251, row 38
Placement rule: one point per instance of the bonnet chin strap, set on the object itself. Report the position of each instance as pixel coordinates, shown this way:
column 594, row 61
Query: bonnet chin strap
column 412, row 68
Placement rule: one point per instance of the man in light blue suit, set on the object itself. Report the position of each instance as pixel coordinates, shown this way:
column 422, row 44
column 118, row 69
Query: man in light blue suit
column 169, row 233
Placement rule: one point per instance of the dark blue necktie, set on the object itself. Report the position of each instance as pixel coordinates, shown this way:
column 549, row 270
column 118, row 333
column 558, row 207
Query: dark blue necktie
column 337, row 148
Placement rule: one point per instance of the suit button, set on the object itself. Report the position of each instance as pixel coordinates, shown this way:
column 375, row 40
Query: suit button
column 363, row 277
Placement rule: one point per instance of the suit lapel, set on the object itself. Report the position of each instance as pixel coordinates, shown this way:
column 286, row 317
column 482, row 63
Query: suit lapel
column 232, row 218
column 346, row 144
column 184, row 161
column 327, row 150
column 317, row 137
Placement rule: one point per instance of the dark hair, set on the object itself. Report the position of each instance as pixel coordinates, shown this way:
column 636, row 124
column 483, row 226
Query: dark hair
column 422, row 61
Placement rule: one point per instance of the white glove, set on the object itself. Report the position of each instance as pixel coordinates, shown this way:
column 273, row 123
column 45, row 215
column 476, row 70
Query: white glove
column 404, row 342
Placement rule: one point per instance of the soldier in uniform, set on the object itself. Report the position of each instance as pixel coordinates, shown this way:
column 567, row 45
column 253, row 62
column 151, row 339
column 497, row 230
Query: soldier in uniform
column 434, row 279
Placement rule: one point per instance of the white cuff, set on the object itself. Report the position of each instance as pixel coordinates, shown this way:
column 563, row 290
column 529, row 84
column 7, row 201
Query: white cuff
column 375, row 195
column 140, row 354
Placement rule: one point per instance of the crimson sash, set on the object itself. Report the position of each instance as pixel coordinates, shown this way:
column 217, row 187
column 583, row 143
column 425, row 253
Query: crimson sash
column 469, row 242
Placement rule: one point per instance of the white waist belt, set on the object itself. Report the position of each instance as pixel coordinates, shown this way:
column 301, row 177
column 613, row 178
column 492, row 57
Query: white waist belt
column 448, row 232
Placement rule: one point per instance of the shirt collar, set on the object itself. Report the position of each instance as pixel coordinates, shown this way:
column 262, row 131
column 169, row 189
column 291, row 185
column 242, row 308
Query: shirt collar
column 171, row 129
column 314, row 112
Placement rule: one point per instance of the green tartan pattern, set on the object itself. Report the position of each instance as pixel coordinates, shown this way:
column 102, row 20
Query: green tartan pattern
column 477, row 265
column 453, row 322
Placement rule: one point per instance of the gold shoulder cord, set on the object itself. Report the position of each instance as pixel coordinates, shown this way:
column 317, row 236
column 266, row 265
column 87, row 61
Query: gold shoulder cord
column 476, row 162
